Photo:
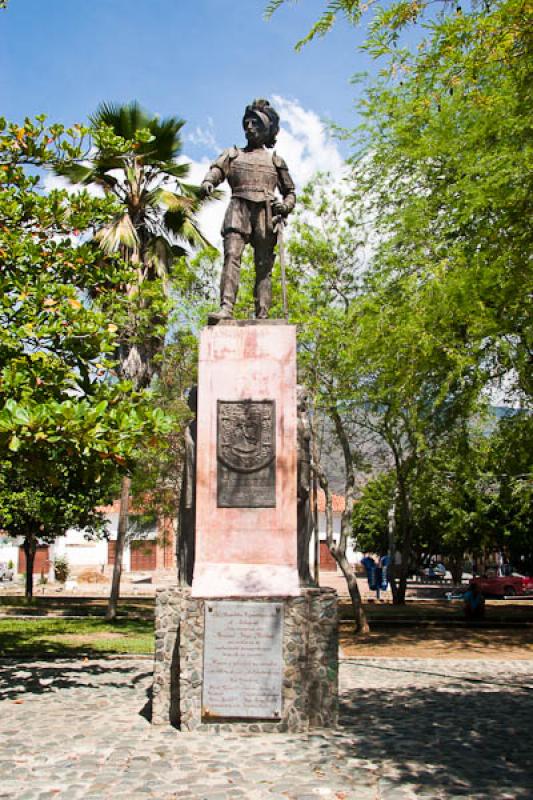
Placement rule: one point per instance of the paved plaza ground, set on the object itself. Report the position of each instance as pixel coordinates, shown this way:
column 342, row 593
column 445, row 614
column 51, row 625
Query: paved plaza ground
column 410, row 728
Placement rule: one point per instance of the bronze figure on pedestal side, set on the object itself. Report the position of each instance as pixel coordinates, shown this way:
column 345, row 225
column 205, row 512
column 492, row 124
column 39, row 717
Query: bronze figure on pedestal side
column 186, row 539
column 262, row 194
column 304, row 512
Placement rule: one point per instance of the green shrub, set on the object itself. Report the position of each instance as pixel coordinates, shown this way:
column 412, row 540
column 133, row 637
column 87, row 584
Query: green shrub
column 61, row 569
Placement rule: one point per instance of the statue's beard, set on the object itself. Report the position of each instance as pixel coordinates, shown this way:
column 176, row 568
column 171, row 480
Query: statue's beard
column 255, row 139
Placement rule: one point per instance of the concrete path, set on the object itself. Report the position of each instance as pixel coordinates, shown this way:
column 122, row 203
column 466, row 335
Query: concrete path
column 410, row 728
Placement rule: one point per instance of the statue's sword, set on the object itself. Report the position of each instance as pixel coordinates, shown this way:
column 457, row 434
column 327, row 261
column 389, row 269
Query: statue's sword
column 280, row 222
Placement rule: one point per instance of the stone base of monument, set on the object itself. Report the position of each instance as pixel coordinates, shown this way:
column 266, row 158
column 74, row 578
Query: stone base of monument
column 258, row 665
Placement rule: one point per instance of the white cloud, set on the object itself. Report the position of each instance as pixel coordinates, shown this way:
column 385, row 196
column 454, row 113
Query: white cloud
column 304, row 143
column 52, row 182
column 205, row 137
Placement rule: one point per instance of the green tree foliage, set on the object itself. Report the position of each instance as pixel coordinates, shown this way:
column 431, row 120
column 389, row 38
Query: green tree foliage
column 158, row 472
column 136, row 161
column 449, row 176
column 371, row 514
column 509, row 489
column 323, row 282
column 448, row 505
column 472, row 496
column 383, row 363
column 67, row 424
column 442, row 173
column 447, row 179
column 446, row 168
column 352, row 10
column 368, row 352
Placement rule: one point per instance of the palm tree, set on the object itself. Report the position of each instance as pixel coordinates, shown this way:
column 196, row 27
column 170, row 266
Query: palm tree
column 155, row 225
column 156, row 221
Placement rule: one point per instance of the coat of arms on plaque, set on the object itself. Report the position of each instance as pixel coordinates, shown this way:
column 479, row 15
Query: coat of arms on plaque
column 246, row 450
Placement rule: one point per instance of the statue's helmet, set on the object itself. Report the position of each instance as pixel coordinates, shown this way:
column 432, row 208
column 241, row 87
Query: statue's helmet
column 269, row 117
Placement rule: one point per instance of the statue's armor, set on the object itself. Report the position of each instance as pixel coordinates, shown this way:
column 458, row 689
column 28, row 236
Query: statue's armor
column 252, row 175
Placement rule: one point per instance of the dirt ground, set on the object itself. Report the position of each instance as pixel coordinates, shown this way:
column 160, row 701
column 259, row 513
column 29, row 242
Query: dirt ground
column 438, row 642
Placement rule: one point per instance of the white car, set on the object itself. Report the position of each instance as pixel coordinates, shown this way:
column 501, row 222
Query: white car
column 435, row 570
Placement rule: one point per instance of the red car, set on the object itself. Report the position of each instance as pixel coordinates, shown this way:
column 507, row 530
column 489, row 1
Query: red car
column 504, row 585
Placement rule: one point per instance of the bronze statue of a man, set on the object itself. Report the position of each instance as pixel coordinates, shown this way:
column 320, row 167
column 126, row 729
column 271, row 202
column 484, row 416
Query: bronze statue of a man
column 254, row 174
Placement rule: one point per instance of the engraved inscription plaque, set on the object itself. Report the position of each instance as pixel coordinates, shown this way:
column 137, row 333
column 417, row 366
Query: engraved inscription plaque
column 243, row 666
column 246, row 453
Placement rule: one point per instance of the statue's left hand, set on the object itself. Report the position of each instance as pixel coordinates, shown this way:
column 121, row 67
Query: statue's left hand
column 279, row 208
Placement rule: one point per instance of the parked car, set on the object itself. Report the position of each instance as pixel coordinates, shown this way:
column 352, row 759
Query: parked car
column 504, row 585
column 435, row 570
column 6, row 573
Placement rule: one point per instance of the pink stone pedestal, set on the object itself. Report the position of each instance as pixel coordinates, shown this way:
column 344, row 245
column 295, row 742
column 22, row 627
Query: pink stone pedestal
column 246, row 552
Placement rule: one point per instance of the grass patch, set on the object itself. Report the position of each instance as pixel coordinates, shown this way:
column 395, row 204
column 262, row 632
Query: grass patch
column 65, row 638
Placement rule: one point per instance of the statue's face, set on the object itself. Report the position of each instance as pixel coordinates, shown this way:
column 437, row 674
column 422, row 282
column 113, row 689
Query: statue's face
column 255, row 130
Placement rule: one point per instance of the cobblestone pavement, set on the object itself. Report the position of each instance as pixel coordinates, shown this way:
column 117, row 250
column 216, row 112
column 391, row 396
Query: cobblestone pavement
column 410, row 728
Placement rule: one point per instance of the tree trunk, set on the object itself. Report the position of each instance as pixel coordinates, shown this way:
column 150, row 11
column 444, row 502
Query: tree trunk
column 404, row 569
column 406, row 529
column 392, row 553
column 393, row 581
column 339, row 552
column 456, row 568
column 361, row 624
column 185, row 542
column 30, row 547
column 305, row 532
column 401, row 588
column 112, row 605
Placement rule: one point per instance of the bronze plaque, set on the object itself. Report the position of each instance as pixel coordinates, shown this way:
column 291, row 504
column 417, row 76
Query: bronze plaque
column 246, row 453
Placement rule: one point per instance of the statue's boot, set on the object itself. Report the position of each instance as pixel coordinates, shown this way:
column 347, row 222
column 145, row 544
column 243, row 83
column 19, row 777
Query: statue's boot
column 226, row 312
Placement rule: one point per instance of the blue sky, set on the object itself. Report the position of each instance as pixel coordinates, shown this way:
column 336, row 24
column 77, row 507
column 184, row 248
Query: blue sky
column 202, row 60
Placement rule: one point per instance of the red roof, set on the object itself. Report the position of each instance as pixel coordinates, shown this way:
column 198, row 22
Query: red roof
column 337, row 501
column 112, row 509
column 136, row 505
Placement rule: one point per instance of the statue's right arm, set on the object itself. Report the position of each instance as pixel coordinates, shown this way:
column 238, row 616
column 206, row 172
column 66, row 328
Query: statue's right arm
column 218, row 171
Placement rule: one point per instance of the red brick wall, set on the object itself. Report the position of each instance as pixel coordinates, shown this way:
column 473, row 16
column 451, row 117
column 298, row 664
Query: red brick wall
column 111, row 550
column 41, row 562
column 327, row 562
column 166, row 544
column 143, row 555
